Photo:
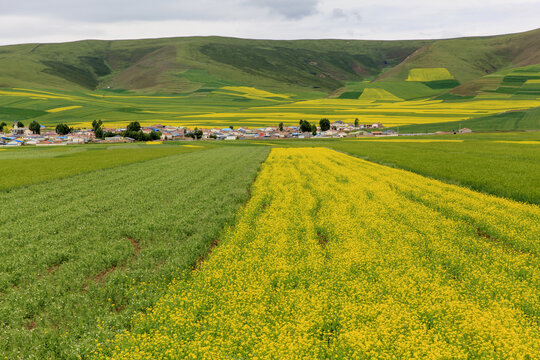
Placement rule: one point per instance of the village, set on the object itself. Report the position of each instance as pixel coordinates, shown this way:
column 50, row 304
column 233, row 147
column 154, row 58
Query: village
column 18, row 136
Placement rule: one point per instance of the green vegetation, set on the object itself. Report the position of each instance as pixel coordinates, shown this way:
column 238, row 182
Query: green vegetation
column 27, row 166
column 468, row 59
column 63, row 129
column 104, row 228
column 504, row 164
column 34, row 127
column 80, row 255
column 480, row 163
column 216, row 82
column 510, row 120
column 182, row 65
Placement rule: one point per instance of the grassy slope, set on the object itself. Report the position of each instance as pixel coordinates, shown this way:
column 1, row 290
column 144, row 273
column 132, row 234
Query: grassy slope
column 471, row 58
column 197, row 68
column 158, row 64
column 81, row 254
column 512, row 120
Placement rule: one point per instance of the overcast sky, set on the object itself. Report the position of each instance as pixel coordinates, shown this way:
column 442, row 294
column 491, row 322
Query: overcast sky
column 24, row 21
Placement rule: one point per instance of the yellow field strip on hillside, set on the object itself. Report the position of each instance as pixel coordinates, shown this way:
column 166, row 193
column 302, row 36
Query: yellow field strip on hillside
column 408, row 140
column 64, row 108
column 429, row 74
column 338, row 258
column 523, row 142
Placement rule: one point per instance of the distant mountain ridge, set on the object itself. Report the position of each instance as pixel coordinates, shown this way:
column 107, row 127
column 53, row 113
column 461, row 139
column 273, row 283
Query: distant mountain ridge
column 191, row 64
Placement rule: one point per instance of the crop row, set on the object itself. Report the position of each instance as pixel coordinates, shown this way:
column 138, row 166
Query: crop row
column 79, row 255
column 338, row 258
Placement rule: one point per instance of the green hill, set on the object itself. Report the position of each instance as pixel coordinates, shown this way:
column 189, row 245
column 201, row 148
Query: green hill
column 216, row 81
column 178, row 65
column 416, row 68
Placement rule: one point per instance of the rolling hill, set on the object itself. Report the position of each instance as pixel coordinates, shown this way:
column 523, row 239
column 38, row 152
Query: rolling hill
column 183, row 65
column 216, row 81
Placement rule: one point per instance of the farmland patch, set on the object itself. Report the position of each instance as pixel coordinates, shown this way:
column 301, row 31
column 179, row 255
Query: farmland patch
column 401, row 257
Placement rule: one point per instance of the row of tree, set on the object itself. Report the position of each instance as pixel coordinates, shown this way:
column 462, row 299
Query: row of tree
column 306, row 126
column 35, row 127
column 134, row 131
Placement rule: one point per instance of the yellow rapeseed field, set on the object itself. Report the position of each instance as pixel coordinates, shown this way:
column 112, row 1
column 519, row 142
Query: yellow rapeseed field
column 522, row 142
column 254, row 93
column 64, row 108
column 338, row 258
column 429, row 74
column 409, row 140
column 378, row 94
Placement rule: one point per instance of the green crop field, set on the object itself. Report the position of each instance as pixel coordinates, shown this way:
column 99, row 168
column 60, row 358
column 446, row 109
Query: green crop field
column 32, row 165
column 87, row 247
column 81, row 254
column 502, row 164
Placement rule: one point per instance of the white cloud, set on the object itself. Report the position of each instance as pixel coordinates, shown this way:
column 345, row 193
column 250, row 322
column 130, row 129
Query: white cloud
column 66, row 20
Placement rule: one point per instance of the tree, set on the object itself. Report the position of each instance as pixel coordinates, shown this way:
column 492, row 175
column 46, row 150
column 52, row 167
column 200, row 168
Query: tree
column 155, row 135
column 356, row 122
column 281, row 126
column 96, row 124
column 2, row 126
column 305, row 126
column 324, row 124
column 63, row 129
column 313, row 129
column 99, row 133
column 134, row 126
column 20, row 124
column 35, row 127
column 195, row 134
column 232, row 127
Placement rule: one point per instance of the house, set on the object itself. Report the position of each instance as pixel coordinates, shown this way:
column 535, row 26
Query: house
column 16, row 131
column 377, row 126
column 465, row 131
column 230, row 137
column 377, row 133
column 116, row 138
column 14, row 143
column 390, row 133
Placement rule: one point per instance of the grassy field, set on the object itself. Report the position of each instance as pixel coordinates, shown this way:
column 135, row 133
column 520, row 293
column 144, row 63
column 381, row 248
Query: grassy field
column 501, row 164
column 252, row 107
column 81, row 254
column 336, row 257
column 511, row 120
column 505, row 166
column 33, row 165
column 98, row 233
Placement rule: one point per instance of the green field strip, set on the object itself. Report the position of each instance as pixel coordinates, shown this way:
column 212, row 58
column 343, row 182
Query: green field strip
column 23, row 167
column 502, row 169
column 107, row 243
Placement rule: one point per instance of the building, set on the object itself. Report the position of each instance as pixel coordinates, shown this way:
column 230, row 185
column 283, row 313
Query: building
column 465, row 131
column 16, row 131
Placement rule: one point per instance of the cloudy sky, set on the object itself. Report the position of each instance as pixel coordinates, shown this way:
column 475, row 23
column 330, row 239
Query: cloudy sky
column 23, row 21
